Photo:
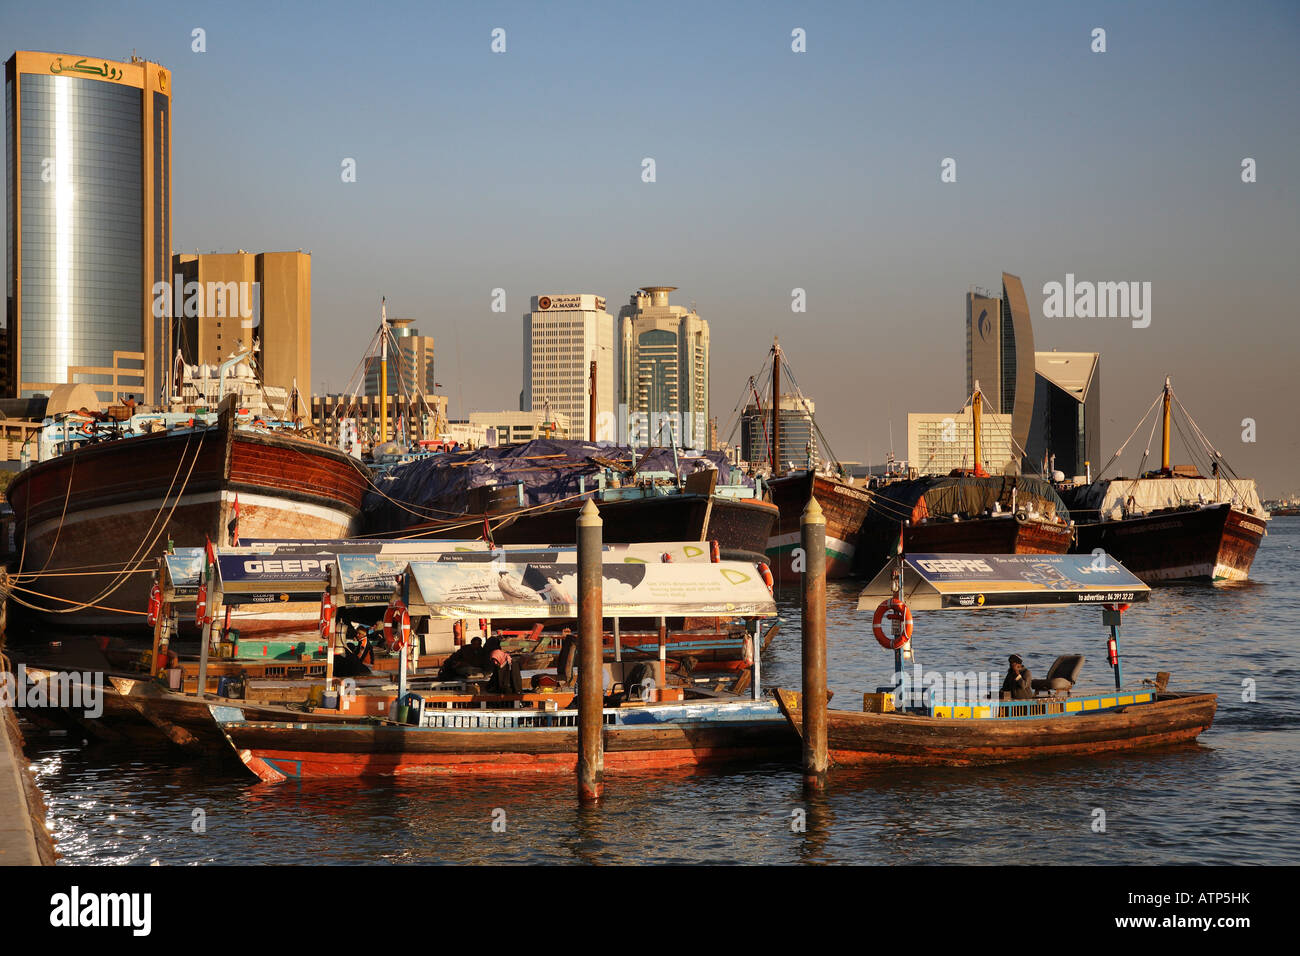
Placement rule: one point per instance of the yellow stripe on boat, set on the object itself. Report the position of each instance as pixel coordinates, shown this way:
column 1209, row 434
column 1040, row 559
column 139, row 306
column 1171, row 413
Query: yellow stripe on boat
column 1126, row 700
column 1074, row 706
column 1091, row 704
column 1108, row 702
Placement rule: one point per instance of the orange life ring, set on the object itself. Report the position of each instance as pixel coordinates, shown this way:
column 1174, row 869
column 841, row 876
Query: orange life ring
column 201, row 606
column 326, row 615
column 155, row 605
column 766, row 574
column 715, row 552
column 895, row 610
column 397, row 622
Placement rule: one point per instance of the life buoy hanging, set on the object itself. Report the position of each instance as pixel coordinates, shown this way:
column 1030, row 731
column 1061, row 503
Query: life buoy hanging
column 766, row 574
column 397, row 625
column 896, row 611
column 201, row 606
column 155, row 605
column 326, row 616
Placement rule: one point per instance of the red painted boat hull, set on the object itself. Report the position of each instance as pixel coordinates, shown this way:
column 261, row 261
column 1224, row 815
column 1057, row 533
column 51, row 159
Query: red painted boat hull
column 844, row 506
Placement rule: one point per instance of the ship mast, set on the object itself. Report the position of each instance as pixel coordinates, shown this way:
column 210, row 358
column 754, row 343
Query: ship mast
column 977, row 418
column 383, row 370
column 776, row 406
column 1164, row 441
column 591, row 408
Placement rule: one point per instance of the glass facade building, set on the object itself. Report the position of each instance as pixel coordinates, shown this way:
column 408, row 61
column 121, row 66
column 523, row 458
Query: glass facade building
column 1066, row 432
column 88, row 184
column 999, row 351
column 799, row 445
column 664, row 370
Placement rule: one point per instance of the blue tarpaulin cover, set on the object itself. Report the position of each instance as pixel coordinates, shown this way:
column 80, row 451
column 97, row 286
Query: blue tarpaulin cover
column 550, row 469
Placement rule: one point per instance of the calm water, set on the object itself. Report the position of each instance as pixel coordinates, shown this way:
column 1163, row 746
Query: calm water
column 1232, row 798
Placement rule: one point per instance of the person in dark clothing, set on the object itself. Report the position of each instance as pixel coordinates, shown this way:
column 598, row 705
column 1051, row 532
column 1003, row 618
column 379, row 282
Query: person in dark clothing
column 1018, row 684
column 464, row 661
column 499, row 661
column 361, row 648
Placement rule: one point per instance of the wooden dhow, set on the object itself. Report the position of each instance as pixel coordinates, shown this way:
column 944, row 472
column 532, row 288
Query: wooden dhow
column 1173, row 524
column 95, row 519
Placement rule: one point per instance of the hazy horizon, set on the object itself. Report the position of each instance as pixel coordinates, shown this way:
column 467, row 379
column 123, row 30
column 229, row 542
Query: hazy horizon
column 775, row 170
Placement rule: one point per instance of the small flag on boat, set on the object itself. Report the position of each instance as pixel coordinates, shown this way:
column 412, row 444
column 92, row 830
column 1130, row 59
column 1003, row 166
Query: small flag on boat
column 233, row 527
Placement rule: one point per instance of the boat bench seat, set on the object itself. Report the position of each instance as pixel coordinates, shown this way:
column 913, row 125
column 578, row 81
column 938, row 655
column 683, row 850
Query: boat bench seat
column 1061, row 676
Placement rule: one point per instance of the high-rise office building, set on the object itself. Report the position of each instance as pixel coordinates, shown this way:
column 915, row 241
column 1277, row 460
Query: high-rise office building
column 799, row 447
column 229, row 301
column 563, row 335
column 664, row 376
column 410, row 362
column 938, row 442
column 88, row 185
column 999, row 352
column 1065, row 434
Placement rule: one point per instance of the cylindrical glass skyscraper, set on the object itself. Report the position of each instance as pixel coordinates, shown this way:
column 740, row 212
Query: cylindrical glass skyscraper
column 88, row 186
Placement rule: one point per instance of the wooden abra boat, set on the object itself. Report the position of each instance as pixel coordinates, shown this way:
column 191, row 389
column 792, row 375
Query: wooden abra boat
column 650, row 724
column 948, row 723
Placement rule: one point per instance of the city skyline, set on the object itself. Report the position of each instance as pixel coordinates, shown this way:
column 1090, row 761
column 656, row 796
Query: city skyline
column 776, row 173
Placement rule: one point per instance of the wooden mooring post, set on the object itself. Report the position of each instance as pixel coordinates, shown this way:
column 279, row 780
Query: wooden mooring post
column 591, row 691
column 813, row 628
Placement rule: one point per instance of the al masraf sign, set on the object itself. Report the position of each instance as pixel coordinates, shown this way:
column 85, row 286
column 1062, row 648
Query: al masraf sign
column 569, row 303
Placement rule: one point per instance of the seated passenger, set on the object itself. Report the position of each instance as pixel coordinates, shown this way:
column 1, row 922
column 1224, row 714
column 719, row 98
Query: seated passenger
column 1018, row 685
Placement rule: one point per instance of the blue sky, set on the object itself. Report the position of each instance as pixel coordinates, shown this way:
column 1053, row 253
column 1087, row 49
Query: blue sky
column 775, row 170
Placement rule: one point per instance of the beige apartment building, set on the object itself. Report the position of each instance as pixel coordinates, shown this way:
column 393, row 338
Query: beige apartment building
column 231, row 287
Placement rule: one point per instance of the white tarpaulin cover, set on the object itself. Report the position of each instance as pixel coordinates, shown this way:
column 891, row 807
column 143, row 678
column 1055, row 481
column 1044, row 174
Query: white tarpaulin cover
column 1111, row 497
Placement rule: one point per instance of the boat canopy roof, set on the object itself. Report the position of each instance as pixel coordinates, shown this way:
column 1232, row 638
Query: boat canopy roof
column 458, row 589
column 369, row 578
column 969, row 581
column 270, row 569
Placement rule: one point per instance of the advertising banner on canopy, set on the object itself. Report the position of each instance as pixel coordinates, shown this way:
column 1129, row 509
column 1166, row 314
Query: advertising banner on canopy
column 549, row 591
column 272, row 579
column 969, row 581
column 370, row 578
